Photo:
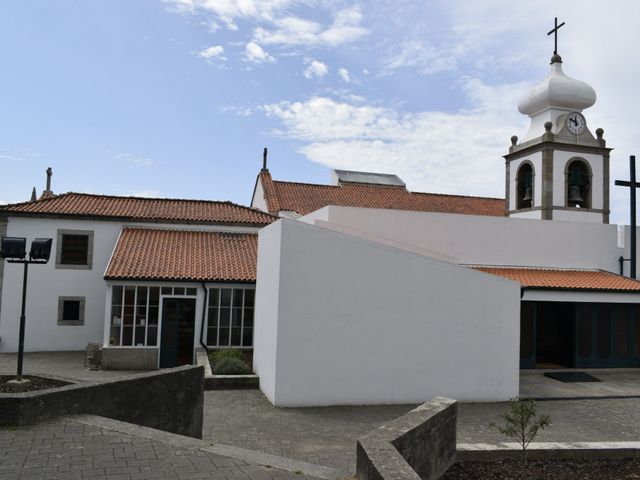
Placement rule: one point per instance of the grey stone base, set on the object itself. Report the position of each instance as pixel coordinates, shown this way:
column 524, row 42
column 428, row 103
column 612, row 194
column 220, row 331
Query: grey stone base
column 134, row 358
column 232, row 382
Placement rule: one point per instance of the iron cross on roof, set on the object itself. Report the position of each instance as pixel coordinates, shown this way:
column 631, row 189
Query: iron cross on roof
column 632, row 185
column 555, row 35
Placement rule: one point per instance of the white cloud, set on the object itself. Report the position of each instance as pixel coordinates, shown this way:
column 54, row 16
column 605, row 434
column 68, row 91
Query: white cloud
column 134, row 159
column 228, row 11
column 346, row 27
column 344, row 75
column 315, row 69
column 432, row 151
column 256, row 54
column 4, row 202
column 21, row 154
column 213, row 52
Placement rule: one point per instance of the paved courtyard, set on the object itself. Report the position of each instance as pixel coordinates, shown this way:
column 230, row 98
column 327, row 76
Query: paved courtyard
column 242, row 430
column 74, row 449
column 328, row 435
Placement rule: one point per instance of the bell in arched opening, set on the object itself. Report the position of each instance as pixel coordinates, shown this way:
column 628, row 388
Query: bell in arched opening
column 524, row 187
column 577, row 185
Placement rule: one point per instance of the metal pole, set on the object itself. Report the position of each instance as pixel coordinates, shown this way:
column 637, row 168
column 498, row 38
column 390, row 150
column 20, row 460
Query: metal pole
column 621, row 262
column 632, row 164
column 22, row 321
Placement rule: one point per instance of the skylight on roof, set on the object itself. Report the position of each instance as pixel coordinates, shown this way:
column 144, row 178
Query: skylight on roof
column 349, row 176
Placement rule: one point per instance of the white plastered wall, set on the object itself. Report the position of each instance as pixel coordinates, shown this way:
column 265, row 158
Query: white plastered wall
column 486, row 240
column 342, row 320
column 258, row 201
column 46, row 283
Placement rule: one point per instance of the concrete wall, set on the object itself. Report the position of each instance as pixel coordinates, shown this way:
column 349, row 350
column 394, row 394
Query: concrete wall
column 420, row 445
column 170, row 400
column 267, row 301
column 358, row 322
column 488, row 240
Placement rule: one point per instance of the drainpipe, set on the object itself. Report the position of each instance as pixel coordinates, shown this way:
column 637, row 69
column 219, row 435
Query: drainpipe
column 204, row 312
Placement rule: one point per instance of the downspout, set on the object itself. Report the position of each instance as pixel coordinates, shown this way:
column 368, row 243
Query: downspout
column 204, row 313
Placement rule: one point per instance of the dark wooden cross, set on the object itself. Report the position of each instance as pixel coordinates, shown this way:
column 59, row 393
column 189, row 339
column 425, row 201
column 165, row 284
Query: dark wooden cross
column 632, row 185
column 555, row 35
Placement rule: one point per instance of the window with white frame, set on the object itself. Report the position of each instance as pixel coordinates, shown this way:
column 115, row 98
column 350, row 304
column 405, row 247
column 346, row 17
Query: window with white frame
column 230, row 317
column 135, row 311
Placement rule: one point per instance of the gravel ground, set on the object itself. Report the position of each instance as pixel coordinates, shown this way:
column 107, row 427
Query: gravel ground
column 604, row 469
column 35, row 383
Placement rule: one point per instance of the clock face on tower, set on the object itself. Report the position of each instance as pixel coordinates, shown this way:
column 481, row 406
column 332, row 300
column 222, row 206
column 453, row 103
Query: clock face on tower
column 576, row 123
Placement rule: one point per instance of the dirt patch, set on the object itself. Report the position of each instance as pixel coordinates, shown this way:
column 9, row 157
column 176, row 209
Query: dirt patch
column 597, row 469
column 35, row 383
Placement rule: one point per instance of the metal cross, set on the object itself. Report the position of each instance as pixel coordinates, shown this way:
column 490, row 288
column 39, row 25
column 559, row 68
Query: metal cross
column 632, row 185
column 555, row 35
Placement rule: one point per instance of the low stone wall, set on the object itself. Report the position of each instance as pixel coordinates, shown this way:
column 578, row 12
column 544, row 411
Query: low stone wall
column 420, row 445
column 170, row 400
column 138, row 358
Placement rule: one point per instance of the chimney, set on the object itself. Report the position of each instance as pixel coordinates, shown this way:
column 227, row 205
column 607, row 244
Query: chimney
column 264, row 160
column 48, row 193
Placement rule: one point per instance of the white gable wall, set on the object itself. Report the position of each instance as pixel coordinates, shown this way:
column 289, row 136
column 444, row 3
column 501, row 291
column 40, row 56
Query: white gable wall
column 357, row 322
column 474, row 239
column 47, row 283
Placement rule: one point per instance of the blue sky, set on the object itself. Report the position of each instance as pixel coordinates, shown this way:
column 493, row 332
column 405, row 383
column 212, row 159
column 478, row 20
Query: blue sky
column 177, row 98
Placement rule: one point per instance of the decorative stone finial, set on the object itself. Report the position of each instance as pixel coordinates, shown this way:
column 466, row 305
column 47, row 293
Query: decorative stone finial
column 514, row 140
column 556, row 59
column 264, row 160
column 34, row 197
column 547, row 127
column 599, row 133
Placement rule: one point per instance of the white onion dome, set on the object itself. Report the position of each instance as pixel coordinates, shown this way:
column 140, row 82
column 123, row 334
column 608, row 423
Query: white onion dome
column 557, row 90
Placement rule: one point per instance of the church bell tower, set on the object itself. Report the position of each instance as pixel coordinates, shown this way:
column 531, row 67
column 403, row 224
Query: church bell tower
column 559, row 170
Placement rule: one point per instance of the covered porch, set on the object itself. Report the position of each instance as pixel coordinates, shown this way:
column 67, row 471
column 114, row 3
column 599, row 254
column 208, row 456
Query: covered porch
column 572, row 318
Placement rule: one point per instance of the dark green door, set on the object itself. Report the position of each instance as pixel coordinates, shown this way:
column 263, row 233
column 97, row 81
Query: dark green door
column 178, row 327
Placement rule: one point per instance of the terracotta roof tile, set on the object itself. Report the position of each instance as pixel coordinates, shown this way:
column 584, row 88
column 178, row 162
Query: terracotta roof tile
column 151, row 209
column 304, row 198
column 155, row 254
column 564, row 279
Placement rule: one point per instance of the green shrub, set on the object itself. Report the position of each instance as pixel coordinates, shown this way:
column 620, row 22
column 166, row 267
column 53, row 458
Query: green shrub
column 218, row 355
column 230, row 366
column 522, row 423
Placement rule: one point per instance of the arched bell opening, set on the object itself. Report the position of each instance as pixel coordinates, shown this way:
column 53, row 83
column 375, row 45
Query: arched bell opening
column 524, row 186
column 578, row 184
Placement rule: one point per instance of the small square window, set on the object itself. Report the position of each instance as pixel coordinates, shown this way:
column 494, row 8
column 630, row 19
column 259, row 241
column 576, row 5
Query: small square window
column 74, row 249
column 71, row 310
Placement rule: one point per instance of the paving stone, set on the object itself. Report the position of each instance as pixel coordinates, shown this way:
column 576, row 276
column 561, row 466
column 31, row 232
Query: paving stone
column 85, row 452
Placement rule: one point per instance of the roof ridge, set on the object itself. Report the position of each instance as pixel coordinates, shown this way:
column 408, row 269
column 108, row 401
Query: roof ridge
column 458, row 195
column 164, row 229
column 37, row 200
column 397, row 187
column 524, row 267
column 133, row 197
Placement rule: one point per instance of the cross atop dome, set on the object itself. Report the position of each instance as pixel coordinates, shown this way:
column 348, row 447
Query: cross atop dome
column 556, row 58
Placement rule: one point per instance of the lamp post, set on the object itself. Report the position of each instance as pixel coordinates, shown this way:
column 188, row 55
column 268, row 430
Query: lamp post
column 14, row 250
